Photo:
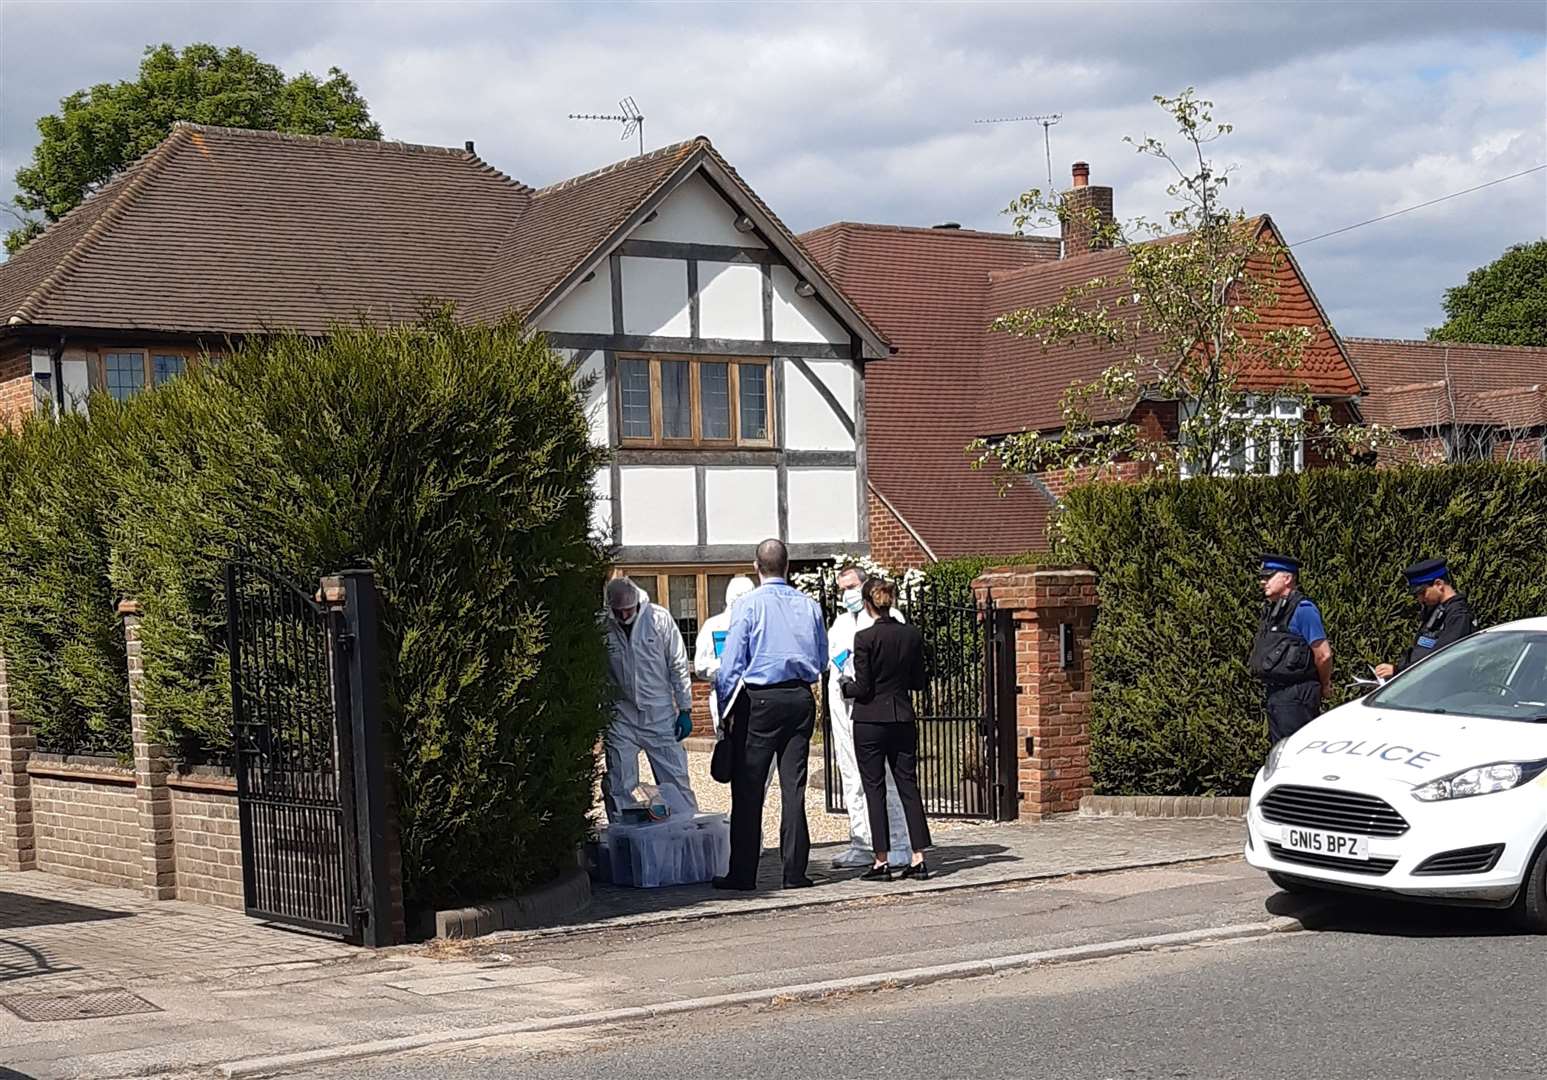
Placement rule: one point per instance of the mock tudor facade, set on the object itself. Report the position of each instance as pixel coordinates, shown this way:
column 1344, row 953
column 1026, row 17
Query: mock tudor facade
column 725, row 370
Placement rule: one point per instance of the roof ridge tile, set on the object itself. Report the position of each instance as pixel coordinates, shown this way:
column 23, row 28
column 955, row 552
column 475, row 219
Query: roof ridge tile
column 1445, row 344
column 594, row 174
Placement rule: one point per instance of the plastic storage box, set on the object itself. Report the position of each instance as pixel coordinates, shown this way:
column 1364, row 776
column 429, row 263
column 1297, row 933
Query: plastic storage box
column 677, row 851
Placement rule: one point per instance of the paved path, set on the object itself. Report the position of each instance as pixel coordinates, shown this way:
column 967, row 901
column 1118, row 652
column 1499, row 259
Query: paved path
column 226, row 988
column 965, row 855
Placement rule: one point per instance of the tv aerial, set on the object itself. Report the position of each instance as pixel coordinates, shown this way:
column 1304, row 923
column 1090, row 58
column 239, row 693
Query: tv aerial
column 628, row 115
column 1047, row 120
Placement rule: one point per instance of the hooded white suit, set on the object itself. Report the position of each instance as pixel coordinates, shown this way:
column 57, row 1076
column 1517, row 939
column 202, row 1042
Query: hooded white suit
column 840, row 639
column 649, row 667
column 706, row 662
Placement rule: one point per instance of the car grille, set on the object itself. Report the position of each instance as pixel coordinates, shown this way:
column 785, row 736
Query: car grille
column 1374, row 867
column 1334, row 811
column 1471, row 860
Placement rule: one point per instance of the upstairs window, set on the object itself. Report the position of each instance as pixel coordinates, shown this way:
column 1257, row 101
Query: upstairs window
column 1264, row 447
column 164, row 366
column 1469, row 442
column 670, row 401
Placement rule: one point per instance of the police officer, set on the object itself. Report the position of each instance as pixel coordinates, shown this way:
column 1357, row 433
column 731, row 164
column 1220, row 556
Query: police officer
column 1290, row 654
column 1446, row 618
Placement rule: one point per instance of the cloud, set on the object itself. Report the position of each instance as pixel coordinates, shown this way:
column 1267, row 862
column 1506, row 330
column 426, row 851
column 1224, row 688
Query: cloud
column 865, row 111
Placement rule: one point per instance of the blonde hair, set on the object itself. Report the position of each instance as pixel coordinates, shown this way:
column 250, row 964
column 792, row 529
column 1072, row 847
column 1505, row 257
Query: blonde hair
column 880, row 594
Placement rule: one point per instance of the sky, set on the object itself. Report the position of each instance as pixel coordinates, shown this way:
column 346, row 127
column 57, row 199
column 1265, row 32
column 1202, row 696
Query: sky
column 865, row 112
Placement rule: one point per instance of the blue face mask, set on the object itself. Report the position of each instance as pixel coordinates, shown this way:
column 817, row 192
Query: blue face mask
column 854, row 600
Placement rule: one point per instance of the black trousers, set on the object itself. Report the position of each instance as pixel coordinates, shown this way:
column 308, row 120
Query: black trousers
column 1290, row 708
column 875, row 747
column 770, row 724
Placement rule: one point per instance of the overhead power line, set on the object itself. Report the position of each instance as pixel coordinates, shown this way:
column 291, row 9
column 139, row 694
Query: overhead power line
column 1420, row 206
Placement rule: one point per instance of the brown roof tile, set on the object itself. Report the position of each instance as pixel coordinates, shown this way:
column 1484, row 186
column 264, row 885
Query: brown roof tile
column 1496, row 385
column 925, row 290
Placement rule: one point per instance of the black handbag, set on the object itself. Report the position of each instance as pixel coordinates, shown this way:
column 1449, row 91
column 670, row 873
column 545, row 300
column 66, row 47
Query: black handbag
column 720, row 760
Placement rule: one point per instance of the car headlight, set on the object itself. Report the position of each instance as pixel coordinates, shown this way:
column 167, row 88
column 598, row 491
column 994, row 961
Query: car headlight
column 1274, row 753
column 1483, row 780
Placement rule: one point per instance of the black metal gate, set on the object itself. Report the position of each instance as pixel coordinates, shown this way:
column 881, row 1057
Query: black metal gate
column 967, row 732
column 295, row 680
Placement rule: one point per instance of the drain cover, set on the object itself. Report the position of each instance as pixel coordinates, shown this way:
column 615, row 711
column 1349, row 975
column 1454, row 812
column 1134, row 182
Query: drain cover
column 80, row 1005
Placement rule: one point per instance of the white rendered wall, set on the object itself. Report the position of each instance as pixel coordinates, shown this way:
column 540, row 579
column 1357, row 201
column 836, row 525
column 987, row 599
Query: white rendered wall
column 601, row 509
column 655, row 297
column 586, row 310
column 695, row 214
column 823, row 506
column 743, row 505
column 730, row 300
column 596, row 396
column 660, row 506
column 800, row 318
column 809, row 421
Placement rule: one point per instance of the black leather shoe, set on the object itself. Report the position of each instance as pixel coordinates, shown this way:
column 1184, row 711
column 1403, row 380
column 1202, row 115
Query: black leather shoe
column 734, row 886
column 878, row 873
column 802, row 883
column 919, row 872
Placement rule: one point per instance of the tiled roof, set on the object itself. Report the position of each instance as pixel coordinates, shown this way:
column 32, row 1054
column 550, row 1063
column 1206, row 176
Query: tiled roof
column 1419, row 384
column 230, row 231
column 926, row 291
column 235, row 231
column 1026, row 382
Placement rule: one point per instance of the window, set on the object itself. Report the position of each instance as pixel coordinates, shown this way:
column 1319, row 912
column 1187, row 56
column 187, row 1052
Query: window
column 674, row 401
column 1469, row 443
column 1265, row 447
column 124, row 374
column 166, row 366
column 1501, row 674
column 691, row 594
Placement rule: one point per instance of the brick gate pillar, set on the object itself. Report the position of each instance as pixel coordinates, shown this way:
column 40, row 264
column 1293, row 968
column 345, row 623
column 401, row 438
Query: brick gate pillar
column 16, row 746
column 152, row 764
column 1052, row 680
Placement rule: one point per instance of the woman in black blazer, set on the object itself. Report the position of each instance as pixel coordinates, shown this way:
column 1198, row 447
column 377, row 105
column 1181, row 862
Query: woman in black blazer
column 888, row 667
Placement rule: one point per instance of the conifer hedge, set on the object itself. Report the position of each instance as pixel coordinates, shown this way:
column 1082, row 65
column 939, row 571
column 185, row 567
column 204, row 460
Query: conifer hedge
column 1175, row 710
column 455, row 462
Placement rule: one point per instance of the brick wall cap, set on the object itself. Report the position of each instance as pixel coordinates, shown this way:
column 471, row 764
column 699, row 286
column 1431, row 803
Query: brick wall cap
column 129, row 607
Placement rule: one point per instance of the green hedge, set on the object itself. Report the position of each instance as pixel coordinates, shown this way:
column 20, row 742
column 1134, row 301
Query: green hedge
column 62, row 638
column 456, row 463
column 1175, row 709
column 954, row 577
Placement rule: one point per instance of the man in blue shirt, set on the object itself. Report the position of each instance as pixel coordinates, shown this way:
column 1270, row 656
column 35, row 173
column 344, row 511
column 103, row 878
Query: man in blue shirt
column 775, row 649
column 1290, row 654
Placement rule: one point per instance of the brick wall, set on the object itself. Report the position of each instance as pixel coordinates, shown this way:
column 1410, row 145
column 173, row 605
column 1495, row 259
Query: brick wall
column 85, row 822
column 15, row 387
column 206, row 841
column 891, row 544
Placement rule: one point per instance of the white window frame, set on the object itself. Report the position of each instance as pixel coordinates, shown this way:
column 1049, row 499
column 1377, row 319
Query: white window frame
column 1273, row 408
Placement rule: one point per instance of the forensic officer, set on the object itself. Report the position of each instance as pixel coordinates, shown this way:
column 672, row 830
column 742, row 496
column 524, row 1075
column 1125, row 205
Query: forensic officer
column 1290, row 654
column 1446, row 618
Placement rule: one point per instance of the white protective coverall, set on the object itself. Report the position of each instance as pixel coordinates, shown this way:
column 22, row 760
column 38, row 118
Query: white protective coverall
column 649, row 667
column 705, row 661
column 840, row 639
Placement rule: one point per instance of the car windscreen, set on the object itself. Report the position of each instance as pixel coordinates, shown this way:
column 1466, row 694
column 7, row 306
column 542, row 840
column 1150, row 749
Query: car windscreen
column 1501, row 674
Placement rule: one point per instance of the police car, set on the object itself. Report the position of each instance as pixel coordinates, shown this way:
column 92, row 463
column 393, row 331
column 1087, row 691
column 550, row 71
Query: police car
column 1433, row 787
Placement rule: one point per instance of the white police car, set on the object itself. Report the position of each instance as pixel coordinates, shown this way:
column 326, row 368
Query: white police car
column 1434, row 787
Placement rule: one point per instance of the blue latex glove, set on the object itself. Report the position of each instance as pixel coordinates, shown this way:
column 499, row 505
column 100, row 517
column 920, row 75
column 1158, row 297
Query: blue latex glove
column 684, row 724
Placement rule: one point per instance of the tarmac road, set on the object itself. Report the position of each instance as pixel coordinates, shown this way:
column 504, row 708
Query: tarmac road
column 1370, row 991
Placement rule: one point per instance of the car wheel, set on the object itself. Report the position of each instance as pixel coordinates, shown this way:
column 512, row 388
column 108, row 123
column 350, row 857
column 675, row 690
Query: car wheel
column 1297, row 886
column 1531, row 904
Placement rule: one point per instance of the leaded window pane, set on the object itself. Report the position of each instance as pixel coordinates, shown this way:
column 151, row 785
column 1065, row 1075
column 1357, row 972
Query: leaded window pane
column 125, row 374
column 634, row 389
column 754, row 400
column 714, row 393
column 676, row 399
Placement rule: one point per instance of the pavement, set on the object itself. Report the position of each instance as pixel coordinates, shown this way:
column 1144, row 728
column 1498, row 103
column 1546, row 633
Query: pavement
column 222, row 990
column 1377, row 992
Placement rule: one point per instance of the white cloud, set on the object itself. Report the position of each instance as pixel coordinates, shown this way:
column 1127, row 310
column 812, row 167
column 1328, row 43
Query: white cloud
column 864, row 111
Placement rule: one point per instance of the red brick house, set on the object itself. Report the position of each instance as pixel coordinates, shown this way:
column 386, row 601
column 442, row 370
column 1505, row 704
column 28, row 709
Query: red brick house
column 1455, row 402
column 934, row 294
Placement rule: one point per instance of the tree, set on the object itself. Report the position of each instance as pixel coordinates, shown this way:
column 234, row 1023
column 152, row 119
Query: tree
column 1503, row 303
column 1184, row 316
column 99, row 131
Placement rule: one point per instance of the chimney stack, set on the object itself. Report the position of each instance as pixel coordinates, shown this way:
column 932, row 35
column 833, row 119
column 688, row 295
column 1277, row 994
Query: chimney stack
column 1081, row 204
column 469, row 146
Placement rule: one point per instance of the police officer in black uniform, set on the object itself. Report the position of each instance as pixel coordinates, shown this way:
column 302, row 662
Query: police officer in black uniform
column 1446, row 619
column 1290, row 654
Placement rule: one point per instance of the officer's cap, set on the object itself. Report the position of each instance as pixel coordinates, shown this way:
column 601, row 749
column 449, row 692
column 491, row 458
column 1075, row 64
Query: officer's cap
column 1273, row 564
column 1425, row 573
